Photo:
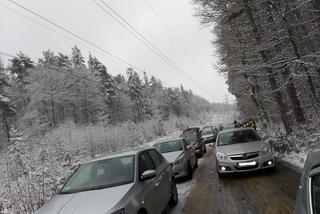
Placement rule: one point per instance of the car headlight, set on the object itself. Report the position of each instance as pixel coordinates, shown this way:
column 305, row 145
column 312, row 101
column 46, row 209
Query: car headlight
column 265, row 150
column 222, row 156
column 121, row 211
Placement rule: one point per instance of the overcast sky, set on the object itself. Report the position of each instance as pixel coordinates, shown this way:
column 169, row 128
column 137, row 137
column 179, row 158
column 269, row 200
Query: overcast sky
column 179, row 36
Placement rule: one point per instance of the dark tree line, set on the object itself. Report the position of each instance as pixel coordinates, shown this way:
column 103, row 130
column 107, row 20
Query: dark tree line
column 269, row 51
column 40, row 96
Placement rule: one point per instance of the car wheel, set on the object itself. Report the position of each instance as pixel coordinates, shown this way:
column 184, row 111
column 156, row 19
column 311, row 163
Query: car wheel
column 220, row 175
column 196, row 164
column 174, row 194
column 190, row 171
column 142, row 212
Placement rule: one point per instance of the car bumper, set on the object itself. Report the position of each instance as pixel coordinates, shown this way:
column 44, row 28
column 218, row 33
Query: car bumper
column 261, row 162
column 180, row 170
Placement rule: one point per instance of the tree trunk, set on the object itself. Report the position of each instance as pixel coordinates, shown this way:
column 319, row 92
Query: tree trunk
column 293, row 97
column 6, row 125
column 53, row 114
column 283, row 108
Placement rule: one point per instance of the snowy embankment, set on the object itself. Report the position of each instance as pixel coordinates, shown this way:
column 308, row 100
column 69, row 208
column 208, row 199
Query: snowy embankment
column 293, row 148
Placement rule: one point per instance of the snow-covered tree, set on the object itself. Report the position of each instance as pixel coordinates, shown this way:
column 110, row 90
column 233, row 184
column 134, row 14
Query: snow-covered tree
column 77, row 58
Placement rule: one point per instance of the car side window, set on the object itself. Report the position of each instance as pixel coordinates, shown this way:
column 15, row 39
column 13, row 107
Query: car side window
column 185, row 143
column 145, row 163
column 156, row 158
column 316, row 193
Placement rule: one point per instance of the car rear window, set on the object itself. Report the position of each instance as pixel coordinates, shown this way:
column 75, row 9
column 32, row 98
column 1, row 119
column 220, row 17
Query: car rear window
column 169, row 146
column 234, row 137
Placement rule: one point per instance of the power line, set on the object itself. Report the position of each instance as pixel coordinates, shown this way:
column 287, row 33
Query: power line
column 73, row 34
column 101, row 49
column 156, row 14
column 55, row 31
column 166, row 59
column 6, row 54
column 133, row 34
column 76, row 36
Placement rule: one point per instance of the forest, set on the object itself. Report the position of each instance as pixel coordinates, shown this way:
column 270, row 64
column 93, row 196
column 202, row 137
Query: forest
column 269, row 51
column 61, row 110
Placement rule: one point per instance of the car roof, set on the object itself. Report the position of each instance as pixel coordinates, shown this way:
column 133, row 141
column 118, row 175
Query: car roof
column 191, row 128
column 235, row 129
column 168, row 140
column 119, row 154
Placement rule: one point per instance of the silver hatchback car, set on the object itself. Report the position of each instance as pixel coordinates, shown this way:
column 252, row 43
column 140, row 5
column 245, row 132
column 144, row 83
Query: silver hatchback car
column 181, row 154
column 240, row 150
column 134, row 182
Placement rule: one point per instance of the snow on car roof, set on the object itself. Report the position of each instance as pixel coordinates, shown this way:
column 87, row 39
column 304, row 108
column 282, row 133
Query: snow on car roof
column 119, row 154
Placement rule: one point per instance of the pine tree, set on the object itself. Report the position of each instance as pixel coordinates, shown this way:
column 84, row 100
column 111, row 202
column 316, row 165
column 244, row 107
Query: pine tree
column 48, row 59
column 140, row 107
column 64, row 61
column 19, row 66
column 77, row 59
column 6, row 107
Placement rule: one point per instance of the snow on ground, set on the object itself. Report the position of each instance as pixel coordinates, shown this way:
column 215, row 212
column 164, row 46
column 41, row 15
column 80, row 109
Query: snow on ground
column 294, row 158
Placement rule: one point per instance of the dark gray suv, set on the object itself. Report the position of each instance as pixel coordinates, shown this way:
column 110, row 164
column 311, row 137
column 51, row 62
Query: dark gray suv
column 308, row 197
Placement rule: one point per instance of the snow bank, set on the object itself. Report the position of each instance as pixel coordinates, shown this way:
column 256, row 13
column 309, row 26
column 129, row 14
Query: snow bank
column 294, row 148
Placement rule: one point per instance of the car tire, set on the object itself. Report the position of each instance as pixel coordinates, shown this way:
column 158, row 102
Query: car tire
column 142, row 212
column 196, row 164
column 272, row 169
column 174, row 194
column 190, row 171
column 220, row 175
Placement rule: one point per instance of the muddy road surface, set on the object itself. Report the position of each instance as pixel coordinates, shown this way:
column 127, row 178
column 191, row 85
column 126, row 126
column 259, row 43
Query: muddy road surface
column 260, row 192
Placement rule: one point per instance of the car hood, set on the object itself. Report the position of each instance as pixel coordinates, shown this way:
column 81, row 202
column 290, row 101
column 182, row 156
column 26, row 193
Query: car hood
column 241, row 148
column 96, row 201
column 172, row 156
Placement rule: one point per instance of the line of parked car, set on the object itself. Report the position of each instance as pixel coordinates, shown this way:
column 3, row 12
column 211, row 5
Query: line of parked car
column 143, row 181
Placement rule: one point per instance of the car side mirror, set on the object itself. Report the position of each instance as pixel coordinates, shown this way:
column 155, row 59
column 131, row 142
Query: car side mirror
column 146, row 175
column 189, row 147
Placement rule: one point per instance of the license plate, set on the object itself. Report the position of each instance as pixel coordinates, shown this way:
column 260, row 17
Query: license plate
column 252, row 163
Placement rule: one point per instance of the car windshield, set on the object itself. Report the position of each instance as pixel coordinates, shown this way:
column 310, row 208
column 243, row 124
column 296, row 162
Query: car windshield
column 228, row 127
column 169, row 146
column 234, row 137
column 101, row 174
column 207, row 131
column 316, row 193
column 191, row 135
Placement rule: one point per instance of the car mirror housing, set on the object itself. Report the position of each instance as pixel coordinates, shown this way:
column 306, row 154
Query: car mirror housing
column 189, row 147
column 146, row 175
